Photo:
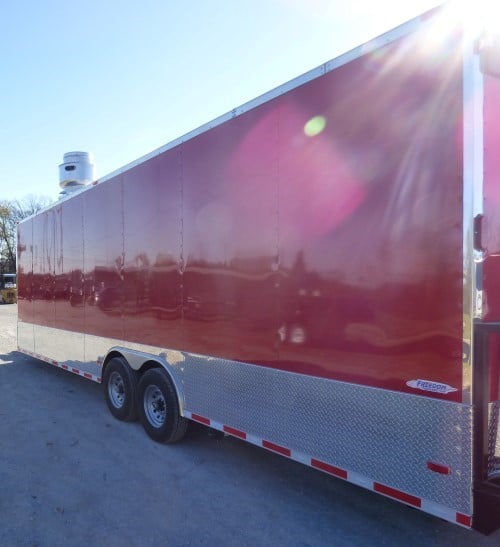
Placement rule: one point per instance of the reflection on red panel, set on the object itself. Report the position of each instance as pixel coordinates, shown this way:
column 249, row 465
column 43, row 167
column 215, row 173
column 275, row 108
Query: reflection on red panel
column 230, row 243
column 152, row 285
column 25, row 271
column 370, row 220
column 68, row 291
column 104, row 260
column 372, row 269
column 491, row 221
column 319, row 233
column 42, row 288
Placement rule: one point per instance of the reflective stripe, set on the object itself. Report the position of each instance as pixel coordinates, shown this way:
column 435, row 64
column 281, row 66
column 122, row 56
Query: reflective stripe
column 63, row 366
column 432, row 508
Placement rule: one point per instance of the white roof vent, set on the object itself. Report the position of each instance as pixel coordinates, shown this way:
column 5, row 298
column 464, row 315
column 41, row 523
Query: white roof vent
column 76, row 171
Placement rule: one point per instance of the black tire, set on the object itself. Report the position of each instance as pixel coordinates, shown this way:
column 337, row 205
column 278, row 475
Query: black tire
column 120, row 389
column 159, row 407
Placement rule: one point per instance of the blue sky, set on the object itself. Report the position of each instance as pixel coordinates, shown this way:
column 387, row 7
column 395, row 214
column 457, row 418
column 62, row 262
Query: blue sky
column 121, row 78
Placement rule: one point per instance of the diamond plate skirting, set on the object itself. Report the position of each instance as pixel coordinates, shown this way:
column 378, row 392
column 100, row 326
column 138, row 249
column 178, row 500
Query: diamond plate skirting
column 386, row 436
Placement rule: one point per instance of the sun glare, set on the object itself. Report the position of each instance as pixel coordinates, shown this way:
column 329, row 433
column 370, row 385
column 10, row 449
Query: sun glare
column 479, row 15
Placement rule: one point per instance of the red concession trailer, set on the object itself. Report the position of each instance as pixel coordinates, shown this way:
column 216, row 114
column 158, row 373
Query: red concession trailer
column 316, row 272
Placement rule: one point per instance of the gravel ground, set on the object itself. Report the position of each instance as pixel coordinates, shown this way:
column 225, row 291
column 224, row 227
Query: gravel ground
column 72, row 475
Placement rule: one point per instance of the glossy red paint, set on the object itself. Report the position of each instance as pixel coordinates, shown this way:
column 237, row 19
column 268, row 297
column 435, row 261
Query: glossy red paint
column 103, row 274
column 491, row 220
column 69, row 266
column 152, row 269
column 25, row 271
column 43, row 269
column 319, row 233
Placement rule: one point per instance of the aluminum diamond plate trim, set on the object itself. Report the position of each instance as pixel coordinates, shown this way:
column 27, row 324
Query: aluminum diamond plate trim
column 384, row 435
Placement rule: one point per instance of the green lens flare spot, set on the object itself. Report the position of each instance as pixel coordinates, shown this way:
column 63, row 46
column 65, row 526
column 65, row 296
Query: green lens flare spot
column 315, row 126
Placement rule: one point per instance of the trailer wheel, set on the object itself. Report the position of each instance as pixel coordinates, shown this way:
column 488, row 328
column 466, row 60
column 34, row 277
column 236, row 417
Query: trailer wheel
column 159, row 407
column 120, row 389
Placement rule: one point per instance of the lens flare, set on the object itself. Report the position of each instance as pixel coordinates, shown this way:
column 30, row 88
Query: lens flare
column 315, row 126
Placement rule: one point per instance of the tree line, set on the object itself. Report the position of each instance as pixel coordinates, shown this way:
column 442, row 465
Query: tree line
column 11, row 213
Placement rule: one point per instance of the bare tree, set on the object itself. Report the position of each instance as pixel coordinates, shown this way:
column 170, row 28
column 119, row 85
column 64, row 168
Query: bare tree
column 11, row 213
column 7, row 237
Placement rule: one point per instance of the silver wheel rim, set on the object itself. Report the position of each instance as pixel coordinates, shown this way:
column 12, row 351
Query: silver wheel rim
column 116, row 390
column 155, row 406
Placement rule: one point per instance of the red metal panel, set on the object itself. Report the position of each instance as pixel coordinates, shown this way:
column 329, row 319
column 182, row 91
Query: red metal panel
column 319, row 233
column 369, row 217
column 103, row 259
column 68, row 292
column 152, row 278
column 43, row 269
column 25, row 271
column 371, row 221
column 230, row 240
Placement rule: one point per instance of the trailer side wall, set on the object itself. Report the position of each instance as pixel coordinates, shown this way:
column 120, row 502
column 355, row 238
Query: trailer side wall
column 298, row 270
column 318, row 233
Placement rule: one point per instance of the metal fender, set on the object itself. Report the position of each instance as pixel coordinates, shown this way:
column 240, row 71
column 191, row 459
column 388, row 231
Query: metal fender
column 171, row 360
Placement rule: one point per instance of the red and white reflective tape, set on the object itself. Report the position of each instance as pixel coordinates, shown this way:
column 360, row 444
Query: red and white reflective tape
column 64, row 366
column 430, row 507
